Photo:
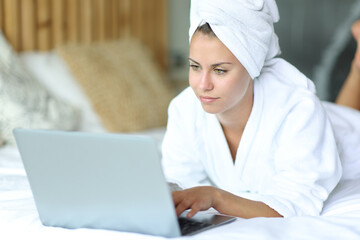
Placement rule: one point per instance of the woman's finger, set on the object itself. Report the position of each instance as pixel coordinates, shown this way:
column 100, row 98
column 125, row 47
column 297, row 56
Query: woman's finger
column 194, row 210
column 181, row 207
column 177, row 197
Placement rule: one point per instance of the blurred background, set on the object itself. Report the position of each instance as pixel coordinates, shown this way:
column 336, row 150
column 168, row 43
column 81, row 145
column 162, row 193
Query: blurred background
column 117, row 63
column 314, row 36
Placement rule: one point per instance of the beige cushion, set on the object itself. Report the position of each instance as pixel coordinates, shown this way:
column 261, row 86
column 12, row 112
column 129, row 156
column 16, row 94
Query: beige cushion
column 123, row 83
column 26, row 103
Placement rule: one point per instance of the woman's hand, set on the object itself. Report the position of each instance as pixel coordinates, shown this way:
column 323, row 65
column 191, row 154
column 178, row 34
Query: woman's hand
column 197, row 199
column 202, row 198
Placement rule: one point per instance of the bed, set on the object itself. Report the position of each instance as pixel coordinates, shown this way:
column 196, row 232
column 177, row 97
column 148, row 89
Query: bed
column 57, row 66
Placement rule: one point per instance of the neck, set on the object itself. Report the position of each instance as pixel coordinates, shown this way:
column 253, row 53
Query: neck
column 236, row 118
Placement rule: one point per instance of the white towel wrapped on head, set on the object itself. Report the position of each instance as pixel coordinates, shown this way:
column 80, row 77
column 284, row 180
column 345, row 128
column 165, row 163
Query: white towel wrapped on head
column 246, row 28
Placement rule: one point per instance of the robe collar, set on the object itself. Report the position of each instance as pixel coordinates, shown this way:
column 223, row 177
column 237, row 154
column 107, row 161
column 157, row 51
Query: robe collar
column 225, row 173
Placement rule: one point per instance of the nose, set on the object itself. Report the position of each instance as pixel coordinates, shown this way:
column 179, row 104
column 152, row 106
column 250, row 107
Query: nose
column 206, row 83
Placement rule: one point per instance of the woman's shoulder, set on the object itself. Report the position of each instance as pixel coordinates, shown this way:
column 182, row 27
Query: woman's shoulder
column 285, row 84
column 287, row 91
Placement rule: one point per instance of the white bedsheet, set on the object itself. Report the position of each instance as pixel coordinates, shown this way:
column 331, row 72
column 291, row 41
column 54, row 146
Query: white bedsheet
column 19, row 218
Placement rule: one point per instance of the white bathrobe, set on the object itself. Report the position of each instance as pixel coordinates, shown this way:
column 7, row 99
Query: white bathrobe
column 287, row 156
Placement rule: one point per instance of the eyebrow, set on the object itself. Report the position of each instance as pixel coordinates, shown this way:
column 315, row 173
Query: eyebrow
column 212, row 65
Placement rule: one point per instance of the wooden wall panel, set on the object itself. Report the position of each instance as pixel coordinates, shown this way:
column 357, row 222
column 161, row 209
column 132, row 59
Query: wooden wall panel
column 45, row 24
column 72, row 31
column 149, row 23
column 124, row 19
column 96, row 24
column 1, row 14
column 12, row 22
column 107, row 18
column 136, row 18
column 114, row 20
column 161, row 38
column 86, row 21
column 99, row 20
column 28, row 25
column 58, row 22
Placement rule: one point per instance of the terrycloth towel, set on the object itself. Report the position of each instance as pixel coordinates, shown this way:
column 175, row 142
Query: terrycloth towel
column 246, row 28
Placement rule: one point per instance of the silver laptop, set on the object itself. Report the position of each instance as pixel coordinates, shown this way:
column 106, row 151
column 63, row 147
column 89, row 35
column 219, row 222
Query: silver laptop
column 104, row 181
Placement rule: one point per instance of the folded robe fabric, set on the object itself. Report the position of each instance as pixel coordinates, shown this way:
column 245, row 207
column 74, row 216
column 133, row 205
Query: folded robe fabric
column 287, row 157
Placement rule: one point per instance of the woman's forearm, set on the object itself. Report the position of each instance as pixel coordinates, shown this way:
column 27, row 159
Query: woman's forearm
column 203, row 198
column 350, row 92
column 230, row 204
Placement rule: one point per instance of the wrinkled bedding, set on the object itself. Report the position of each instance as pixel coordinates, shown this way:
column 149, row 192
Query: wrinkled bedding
column 19, row 219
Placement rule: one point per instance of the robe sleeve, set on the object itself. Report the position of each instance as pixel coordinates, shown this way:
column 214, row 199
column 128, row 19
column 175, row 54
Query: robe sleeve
column 306, row 161
column 180, row 160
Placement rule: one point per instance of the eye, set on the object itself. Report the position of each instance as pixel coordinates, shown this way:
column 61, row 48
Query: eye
column 194, row 67
column 220, row 71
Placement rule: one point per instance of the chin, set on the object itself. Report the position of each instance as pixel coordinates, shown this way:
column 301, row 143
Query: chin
column 210, row 109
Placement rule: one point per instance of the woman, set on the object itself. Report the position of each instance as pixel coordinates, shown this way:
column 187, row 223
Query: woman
column 350, row 92
column 249, row 138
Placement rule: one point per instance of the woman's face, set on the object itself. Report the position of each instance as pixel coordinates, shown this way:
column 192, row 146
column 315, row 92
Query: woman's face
column 218, row 79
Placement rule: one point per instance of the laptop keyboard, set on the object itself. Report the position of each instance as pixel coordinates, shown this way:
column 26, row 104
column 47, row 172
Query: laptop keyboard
column 188, row 226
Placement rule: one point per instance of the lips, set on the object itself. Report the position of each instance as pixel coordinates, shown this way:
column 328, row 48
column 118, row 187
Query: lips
column 206, row 99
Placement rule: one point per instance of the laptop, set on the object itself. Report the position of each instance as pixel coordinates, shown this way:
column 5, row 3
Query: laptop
column 103, row 181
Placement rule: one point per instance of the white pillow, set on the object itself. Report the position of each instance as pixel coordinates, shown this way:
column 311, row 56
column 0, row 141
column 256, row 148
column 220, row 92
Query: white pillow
column 27, row 103
column 51, row 70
